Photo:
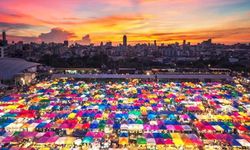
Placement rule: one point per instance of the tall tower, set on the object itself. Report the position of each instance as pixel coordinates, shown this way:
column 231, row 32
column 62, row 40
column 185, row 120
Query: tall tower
column 125, row 40
column 4, row 36
column 184, row 42
column 4, row 41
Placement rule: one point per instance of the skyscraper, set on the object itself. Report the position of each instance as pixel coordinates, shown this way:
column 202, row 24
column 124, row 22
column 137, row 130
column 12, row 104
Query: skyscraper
column 66, row 43
column 4, row 40
column 4, row 35
column 155, row 43
column 125, row 40
column 184, row 42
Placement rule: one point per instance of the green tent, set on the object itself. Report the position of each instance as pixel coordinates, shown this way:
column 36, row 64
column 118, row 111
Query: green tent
column 141, row 141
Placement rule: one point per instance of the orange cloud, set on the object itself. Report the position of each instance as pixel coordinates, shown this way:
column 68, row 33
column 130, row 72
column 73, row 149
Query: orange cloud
column 142, row 20
column 229, row 36
column 116, row 19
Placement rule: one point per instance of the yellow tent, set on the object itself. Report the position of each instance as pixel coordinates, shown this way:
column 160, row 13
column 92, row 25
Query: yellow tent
column 178, row 142
column 71, row 115
column 218, row 128
column 123, row 141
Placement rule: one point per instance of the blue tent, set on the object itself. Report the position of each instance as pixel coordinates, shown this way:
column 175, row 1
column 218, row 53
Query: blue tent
column 172, row 116
column 94, row 125
column 116, row 126
column 130, row 121
column 6, row 98
column 171, row 122
column 157, row 135
column 162, row 127
column 2, row 133
column 41, row 125
column 192, row 116
column 56, row 107
column 151, row 116
column 235, row 143
column 123, row 134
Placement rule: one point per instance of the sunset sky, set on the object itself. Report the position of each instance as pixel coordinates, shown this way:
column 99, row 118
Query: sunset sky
column 85, row 21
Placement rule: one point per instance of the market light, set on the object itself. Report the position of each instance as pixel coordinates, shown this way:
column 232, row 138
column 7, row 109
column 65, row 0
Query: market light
column 141, row 106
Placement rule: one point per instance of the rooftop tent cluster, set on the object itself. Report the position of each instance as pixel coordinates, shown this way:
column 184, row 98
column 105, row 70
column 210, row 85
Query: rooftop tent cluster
column 105, row 114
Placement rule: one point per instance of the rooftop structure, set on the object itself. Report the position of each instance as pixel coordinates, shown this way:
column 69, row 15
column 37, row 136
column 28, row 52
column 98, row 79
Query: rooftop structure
column 13, row 66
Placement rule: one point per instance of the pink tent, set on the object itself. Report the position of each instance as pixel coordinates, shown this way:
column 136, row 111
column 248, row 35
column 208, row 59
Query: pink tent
column 69, row 124
column 48, row 125
column 49, row 134
column 178, row 128
column 99, row 115
column 43, row 139
column 185, row 116
column 79, row 113
column 160, row 122
column 209, row 136
column 154, row 127
column 90, row 133
column 168, row 141
column 78, row 98
column 27, row 134
column 148, row 135
column 8, row 139
column 113, row 108
column 193, row 108
column 52, row 139
column 160, row 141
column 209, row 128
column 146, row 127
column 39, row 121
column 50, row 115
column 98, row 135
column 14, row 100
column 170, row 127
column 16, row 95
column 111, row 115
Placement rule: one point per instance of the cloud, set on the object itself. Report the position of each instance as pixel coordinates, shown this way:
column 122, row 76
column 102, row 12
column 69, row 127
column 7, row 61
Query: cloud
column 56, row 35
column 84, row 41
column 228, row 36
column 240, row 35
column 116, row 19
column 9, row 26
column 108, row 20
column 25, row 39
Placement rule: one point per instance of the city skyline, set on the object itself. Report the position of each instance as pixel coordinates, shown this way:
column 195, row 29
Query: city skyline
column 143, row 21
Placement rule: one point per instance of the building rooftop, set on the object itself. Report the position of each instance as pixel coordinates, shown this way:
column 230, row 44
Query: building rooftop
column 9, row 67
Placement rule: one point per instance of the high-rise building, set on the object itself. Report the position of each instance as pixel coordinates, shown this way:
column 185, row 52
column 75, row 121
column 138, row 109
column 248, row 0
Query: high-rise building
column 4, row 35
column 184, row 42
column 209, row 41
column 4, row 39
column 155, row 43
column 108, row 44
column 125, row 40
column 66, row 43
